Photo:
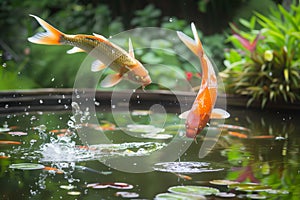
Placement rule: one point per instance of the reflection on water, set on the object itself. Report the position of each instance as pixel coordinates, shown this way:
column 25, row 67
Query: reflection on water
column 262, row 148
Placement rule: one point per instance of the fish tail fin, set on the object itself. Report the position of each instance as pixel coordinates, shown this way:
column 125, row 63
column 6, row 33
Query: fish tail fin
column 52, row 36
column 194, row 45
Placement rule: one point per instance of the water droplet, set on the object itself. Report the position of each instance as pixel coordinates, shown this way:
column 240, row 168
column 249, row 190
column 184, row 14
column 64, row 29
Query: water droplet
column 113, row 106
column 52, row 79
column 41, row 101
column 171, row 19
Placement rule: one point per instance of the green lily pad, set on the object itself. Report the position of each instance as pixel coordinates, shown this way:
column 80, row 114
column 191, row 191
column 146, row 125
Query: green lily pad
column 157, row 136
column 67, row 187
column 27, row 166
column 74, row 193
column 223, row 182
column 127, row 194
column 256, row 196
column 249, row 187
column 172, row 196
column 4, row 129
column 141, row 128
column 185, row 167
column 193, row 190
column 225, row 195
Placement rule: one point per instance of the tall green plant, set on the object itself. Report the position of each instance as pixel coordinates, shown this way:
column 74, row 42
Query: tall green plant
column 265, row 61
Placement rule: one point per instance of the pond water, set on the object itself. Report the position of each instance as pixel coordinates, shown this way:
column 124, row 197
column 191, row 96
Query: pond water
column 260, row 148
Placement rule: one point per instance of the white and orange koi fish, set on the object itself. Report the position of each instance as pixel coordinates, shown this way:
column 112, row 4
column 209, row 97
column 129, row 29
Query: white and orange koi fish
column 102, row 49
column 203, row 107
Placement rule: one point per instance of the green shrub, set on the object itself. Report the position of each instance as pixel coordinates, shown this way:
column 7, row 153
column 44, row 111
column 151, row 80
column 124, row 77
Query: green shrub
column 264, row 63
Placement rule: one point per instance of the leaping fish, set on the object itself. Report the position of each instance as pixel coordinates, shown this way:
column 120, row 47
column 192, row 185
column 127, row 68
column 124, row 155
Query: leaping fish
column 203, row 107
column 122, row 62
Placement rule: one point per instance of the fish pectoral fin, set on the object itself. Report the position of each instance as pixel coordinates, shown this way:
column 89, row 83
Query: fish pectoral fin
column 130, row 49
column 97, row 65
column 218, row 113
column 75, row 50
column 111, row 80
column 184, row 114
column 100, row 37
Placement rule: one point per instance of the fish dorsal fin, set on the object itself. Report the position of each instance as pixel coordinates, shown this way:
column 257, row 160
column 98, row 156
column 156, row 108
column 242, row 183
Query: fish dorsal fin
column 130, row 49
column 75, row 50
column 111, row 80
column 97, row 65
column 100, row 37
column 218, row 113
column 184, row 114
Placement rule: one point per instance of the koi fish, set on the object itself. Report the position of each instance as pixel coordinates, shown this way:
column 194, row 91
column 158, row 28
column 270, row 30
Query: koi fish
column 203, row 107
column 100, row 48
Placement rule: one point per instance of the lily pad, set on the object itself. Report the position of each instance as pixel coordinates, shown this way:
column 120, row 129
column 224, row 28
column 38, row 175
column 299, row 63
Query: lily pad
column 256, row 196
column 249, row 187
column 67, row 187
column 172, row 196
column 27, row 166
column 185, row 167
column 195, row 191
column 4, row 129
column 225, row 195
column 74, row 193
column 223, row 182
column 157, row 136
column 141, row 128
column 116, row 185
column 140, row 112
column 127, row 194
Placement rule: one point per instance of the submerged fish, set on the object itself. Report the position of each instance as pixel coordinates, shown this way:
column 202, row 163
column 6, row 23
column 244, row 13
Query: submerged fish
column 100, row 48
column 203, row 106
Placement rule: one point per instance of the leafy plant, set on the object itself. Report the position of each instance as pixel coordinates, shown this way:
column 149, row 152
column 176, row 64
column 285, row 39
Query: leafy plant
column 265, row 61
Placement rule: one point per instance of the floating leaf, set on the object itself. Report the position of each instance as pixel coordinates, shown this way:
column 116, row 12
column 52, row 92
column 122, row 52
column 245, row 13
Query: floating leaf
column 191, row 190
column 223, row 182
column 225, row 195
column 185, row 167
column 141, row 112
column 157, row 136
column 127, row 194
column 256, row 196
column 249, row 187
column 116, row 185
column 4, row 129
column 74, row 193
column 27, row 166
column 140, row 128
column 126, row 149
column 172, row 196
column 67, row 187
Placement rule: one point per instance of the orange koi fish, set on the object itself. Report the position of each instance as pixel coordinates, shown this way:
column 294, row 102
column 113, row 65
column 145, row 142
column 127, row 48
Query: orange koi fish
column 203, row 107
column 100, row 48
